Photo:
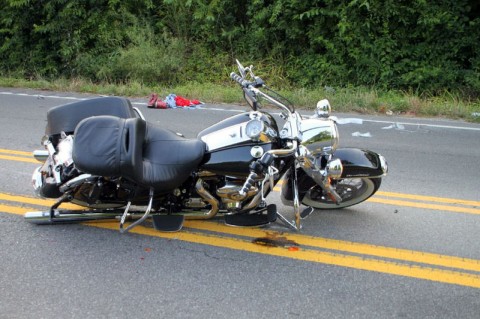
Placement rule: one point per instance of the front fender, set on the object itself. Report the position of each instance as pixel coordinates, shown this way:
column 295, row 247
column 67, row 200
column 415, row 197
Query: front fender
column 356, row 163
column 361, row 163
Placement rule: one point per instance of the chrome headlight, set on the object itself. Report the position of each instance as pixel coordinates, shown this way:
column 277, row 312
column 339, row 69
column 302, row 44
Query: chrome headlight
column 319, row 136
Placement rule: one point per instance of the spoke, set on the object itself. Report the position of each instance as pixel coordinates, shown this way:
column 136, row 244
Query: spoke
column 346, row 188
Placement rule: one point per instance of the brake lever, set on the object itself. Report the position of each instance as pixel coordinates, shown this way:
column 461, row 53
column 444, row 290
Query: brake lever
column 258, row 82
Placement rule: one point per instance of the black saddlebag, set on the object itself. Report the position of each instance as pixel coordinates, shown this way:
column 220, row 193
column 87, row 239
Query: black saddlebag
column 64, row 118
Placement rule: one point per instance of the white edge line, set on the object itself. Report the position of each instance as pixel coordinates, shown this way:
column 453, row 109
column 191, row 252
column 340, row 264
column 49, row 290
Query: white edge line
column 428, row 125
column 239, row 111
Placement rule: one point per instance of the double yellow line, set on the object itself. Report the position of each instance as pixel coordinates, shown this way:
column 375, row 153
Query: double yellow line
column 417, row 201
column 402, row 262
column 423, row 202
column 19, row 156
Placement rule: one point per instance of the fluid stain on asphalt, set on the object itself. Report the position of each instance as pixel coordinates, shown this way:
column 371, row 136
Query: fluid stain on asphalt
column 275, row 240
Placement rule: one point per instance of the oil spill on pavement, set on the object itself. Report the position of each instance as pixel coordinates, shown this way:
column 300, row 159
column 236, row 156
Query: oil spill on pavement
column 275, row 240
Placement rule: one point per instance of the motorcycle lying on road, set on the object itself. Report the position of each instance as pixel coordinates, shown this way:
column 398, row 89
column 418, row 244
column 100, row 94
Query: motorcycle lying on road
column 103, row 155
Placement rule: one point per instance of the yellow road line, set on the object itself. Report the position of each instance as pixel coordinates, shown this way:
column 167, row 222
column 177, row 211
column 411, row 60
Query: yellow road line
column 5, row 151
column 14, row 209
column 323, row 243
column 429, row 198
column 304, row 240
column 455, row 209
column 425, row 205
column 45, row 202
column 19, row 159
column 345, row 246
column 382, row 266
column 438, row 275
column 35, row 201
column 414, row 197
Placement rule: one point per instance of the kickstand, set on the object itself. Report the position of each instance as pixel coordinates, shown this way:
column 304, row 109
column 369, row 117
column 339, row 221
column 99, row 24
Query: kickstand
column 62, row 199
column 287, row 222
column 125, row 213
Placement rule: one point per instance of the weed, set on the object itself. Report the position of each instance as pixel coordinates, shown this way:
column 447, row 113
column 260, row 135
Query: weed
column 350, row 99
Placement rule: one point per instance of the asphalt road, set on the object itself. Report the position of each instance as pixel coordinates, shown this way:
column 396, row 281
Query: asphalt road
column 411, row 251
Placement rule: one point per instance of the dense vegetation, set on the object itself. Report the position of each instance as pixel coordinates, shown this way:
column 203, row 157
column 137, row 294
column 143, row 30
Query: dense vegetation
column 414, row 45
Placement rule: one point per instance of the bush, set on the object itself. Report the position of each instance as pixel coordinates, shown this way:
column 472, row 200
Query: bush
column 427, row 47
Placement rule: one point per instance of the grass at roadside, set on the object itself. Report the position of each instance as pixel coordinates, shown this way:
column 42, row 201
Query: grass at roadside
column 352, row 99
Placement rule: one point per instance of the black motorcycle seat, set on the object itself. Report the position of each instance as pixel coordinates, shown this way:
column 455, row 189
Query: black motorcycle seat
column 168, row 159
column 147, row 154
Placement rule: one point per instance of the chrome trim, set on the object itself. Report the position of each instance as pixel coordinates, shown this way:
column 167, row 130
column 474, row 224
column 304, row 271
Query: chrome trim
column 334, row 169
column 206, row 174
column 139, row 113
column 74, row 182
column 319, row 136
column 208, row 198
column 323, row 108
column 257, row 151
column 37, row 180
column 322, row 177
column 383, row 164
column 41, row 155
column 237, row 134
column 96, row 206
column 231, row 191
column 228, row 136
column 139, row 221
column 284, row 152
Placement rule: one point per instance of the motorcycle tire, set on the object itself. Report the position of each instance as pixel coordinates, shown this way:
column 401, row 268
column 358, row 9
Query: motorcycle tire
column 352, row 191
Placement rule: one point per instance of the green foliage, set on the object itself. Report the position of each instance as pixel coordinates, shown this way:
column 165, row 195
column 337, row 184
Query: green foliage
column 417, row 45
column 147, row 59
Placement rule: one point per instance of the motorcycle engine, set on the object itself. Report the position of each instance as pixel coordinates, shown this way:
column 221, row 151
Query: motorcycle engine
column 230, row 194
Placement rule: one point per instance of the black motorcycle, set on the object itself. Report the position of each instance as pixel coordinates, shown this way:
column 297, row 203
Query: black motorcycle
column 101, row 154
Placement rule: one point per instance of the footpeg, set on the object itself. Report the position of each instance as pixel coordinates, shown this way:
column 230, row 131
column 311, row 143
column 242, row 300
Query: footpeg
column 168, row 223
column 252, row 220
column 306, row 212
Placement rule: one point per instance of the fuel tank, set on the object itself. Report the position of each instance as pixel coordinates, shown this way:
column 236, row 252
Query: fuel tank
column 230, row 150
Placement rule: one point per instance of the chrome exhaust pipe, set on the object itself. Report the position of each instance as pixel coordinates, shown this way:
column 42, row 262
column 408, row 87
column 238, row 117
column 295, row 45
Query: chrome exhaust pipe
column 68, row 216
column 74, row 216
column 209, row 199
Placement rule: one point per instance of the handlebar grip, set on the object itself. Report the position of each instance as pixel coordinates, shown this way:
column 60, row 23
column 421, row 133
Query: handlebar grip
column 237, row 78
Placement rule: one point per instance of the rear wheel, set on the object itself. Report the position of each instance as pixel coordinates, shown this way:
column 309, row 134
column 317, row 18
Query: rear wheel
column 352, row 191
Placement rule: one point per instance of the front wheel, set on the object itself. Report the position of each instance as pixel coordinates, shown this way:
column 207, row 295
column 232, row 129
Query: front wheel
column 352, row 191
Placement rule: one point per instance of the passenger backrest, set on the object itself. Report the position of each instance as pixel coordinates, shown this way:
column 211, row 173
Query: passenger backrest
column 109, row 146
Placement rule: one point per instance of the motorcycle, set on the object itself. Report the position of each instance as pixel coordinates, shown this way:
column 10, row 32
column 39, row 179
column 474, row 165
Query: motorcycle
column 103, row 155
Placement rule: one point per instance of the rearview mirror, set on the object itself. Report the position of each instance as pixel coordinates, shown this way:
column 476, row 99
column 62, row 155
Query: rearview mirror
column 241, row 70
column 323, row 108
